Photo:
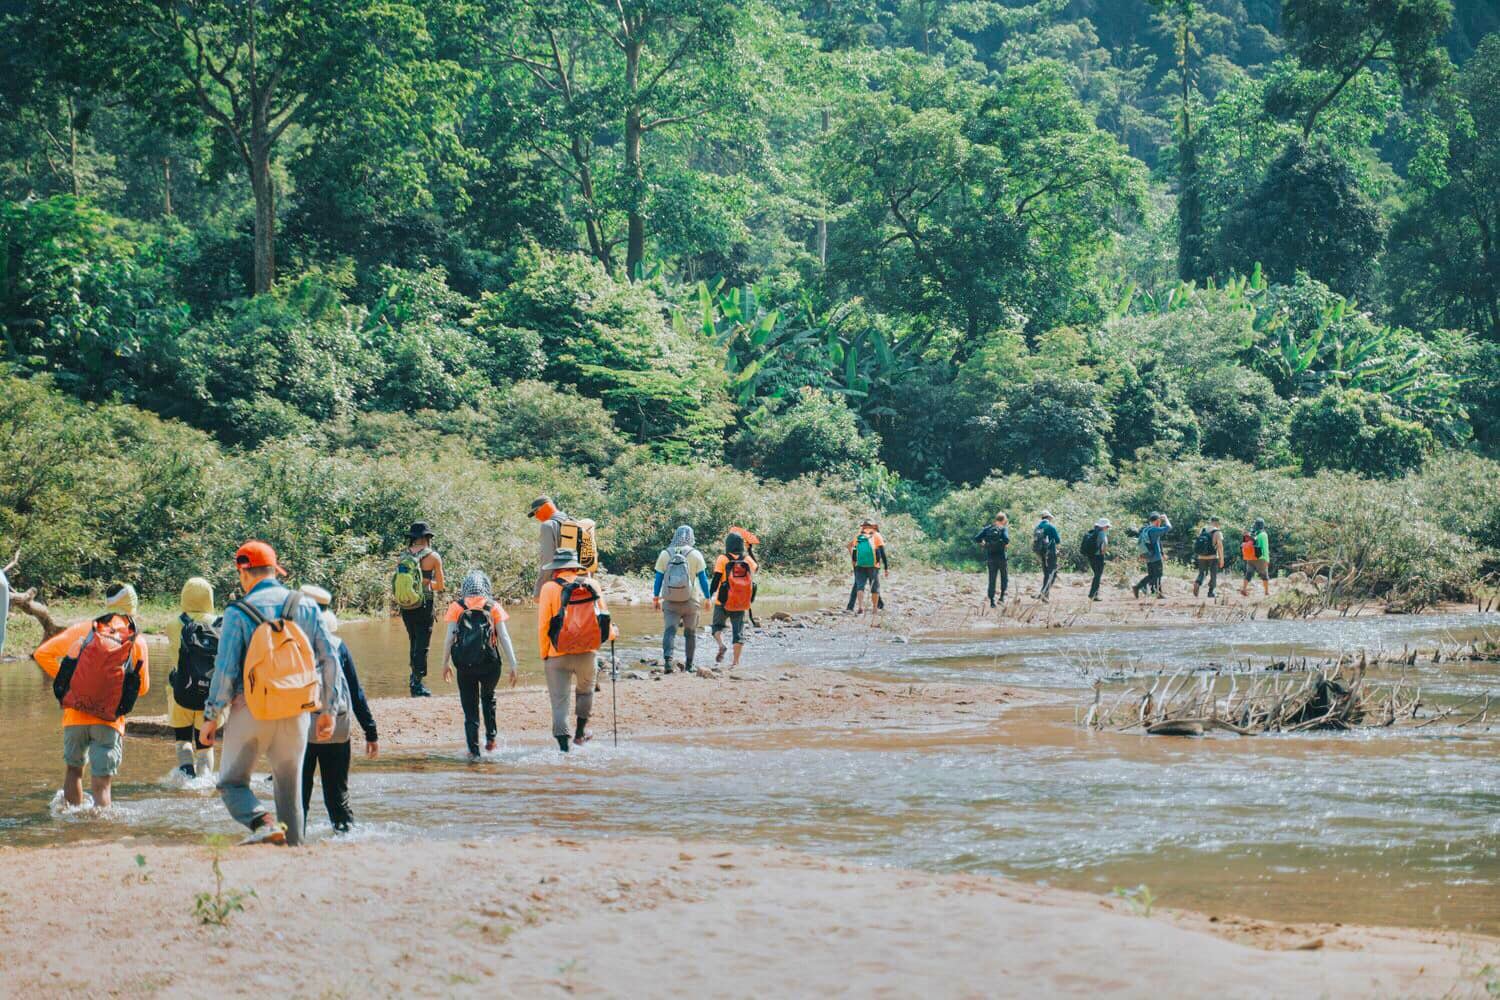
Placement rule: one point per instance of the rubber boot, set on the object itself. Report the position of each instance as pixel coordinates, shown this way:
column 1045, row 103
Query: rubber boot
column 418, row 689
column 579, row 736
column 562, row 743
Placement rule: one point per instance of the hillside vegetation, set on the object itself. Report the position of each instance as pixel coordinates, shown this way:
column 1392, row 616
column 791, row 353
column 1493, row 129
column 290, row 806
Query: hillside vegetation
column 311, row 272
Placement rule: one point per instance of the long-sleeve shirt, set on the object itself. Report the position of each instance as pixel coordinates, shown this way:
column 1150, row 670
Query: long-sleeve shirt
column 49, row 656
column 268, row 597
column 546, row 550
column 697, row 568
column 995, row 539
column 1151, row 535
column 357, row 702
column 498, row 618
column 1049, row 534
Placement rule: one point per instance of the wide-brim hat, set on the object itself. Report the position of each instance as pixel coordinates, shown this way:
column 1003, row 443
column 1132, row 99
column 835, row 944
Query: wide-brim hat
column 1103, row 522
column 565, row 559
column 418, row 529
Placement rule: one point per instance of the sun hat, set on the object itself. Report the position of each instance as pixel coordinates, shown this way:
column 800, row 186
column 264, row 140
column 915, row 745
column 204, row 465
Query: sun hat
column 565, row 559
column 418, row 529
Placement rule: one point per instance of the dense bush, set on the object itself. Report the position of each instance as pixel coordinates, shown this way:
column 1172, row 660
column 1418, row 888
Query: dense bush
column 1359, row 432
column 611, row 339
column 1054, row 425
column 817, row 433
column 1240, row 413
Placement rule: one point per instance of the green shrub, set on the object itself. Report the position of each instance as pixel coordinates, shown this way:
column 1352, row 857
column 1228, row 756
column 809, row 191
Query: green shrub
column 817, row 433
column 1240, row 413
column 510, row 354
column 1359, row 432
column 534, row 420
column 1053, row 426
column 611, row 339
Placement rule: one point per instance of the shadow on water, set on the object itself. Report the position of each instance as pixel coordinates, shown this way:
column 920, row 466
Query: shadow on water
column 1376, row 827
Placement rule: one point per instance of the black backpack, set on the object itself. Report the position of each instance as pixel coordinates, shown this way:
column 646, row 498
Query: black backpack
column 195, row 663
column 1090, row 544
column 1203, row 545
column 474, row 645
column 1039, row 540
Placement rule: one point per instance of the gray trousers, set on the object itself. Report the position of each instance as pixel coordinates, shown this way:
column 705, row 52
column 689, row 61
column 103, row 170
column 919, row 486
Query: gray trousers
column 576, row 670
column 675, row 615
column 284, row 743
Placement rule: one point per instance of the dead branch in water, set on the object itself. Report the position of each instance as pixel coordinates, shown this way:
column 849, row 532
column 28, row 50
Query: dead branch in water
column 26, row 603
column 1281, row 699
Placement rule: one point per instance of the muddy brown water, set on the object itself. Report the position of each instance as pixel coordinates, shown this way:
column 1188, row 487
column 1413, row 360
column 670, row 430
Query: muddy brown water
column 1371, row 827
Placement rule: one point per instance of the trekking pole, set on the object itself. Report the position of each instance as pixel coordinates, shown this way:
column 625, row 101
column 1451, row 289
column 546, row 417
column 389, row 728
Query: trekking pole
column 614, row 699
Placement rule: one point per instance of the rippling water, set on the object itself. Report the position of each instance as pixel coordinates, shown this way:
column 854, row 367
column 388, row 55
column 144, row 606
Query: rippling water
column 1377, row 826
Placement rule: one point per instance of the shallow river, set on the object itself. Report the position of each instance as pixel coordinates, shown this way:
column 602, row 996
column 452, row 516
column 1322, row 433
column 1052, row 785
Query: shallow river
column 1374, row 827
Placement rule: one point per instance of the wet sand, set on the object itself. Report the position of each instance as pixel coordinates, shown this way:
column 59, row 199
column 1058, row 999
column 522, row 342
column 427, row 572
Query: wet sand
column 563, row 917
column 652, row 705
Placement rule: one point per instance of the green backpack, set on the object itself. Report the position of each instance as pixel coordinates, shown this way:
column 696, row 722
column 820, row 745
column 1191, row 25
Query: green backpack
column 864, row 552
column 407, row 583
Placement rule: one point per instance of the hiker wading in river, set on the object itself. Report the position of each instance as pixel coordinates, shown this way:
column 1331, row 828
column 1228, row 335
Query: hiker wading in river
column 1044, row 542
column 678, row 590
column 1150, row 541
column 1208, row 550
column 276, row 636
column 334, row 755
column 476, row 637
column 572, row 624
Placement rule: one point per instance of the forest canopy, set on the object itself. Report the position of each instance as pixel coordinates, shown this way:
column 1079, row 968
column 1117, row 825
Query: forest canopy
column 877, row 251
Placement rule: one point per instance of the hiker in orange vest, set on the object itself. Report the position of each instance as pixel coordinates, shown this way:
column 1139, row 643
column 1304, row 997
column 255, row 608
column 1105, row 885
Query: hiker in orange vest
column 99, row 668
column 572, row 624
column 266, row 677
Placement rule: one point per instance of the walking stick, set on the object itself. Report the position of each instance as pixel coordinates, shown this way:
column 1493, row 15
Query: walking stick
column 614, row 700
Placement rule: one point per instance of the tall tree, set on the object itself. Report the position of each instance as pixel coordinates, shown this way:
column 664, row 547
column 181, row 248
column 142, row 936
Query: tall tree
column 1344, row 38
column 610, row 73
column 252, row 69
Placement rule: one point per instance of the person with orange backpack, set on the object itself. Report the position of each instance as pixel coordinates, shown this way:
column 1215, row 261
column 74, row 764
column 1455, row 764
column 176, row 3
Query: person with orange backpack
column 733, row 586
column 476, row 637
column 276, row 666
column 557, row 530
column 572, row 624
column 99, row 669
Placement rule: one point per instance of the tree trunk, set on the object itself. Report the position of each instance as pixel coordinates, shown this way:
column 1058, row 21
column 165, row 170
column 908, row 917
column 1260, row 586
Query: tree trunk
column 635, row 236
column 73, row 149
column 166, row 186
column 265, row 219
column 26, row 603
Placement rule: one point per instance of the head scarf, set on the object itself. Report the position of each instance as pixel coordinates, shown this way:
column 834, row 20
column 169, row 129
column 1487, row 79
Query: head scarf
column 476, row 584
column 121, row 599
column 682, row 538
column 197, row 597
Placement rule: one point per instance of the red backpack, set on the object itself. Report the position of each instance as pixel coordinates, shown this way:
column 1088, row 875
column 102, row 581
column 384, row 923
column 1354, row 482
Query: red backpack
column 738, row 589
column 102, row 678
column 578, row 627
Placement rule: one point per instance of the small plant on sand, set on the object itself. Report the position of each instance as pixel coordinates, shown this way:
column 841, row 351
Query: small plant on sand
column 1141, row 898
column 141, row 873
column 216, row 907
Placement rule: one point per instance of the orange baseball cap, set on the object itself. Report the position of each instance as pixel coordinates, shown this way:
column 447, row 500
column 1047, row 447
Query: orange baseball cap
column 257, row 555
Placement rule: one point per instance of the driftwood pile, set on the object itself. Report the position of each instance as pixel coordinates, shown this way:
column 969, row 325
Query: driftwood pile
column 1294, row 698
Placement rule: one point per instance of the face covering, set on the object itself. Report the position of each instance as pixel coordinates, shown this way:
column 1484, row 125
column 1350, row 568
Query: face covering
column 476, row 584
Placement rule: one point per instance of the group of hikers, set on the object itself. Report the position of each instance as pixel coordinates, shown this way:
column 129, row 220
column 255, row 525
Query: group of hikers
column 268, row 677
column 1209, row 555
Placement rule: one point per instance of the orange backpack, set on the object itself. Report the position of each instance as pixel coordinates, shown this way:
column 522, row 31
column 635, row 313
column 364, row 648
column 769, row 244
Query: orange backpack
column 1247, row 548
column 100, row 676
column 281, row 677
column 738, row 589
column 578, row 627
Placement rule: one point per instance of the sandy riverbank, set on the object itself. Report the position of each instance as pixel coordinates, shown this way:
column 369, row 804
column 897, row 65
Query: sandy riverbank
column 550, row 917
column 683, row 703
